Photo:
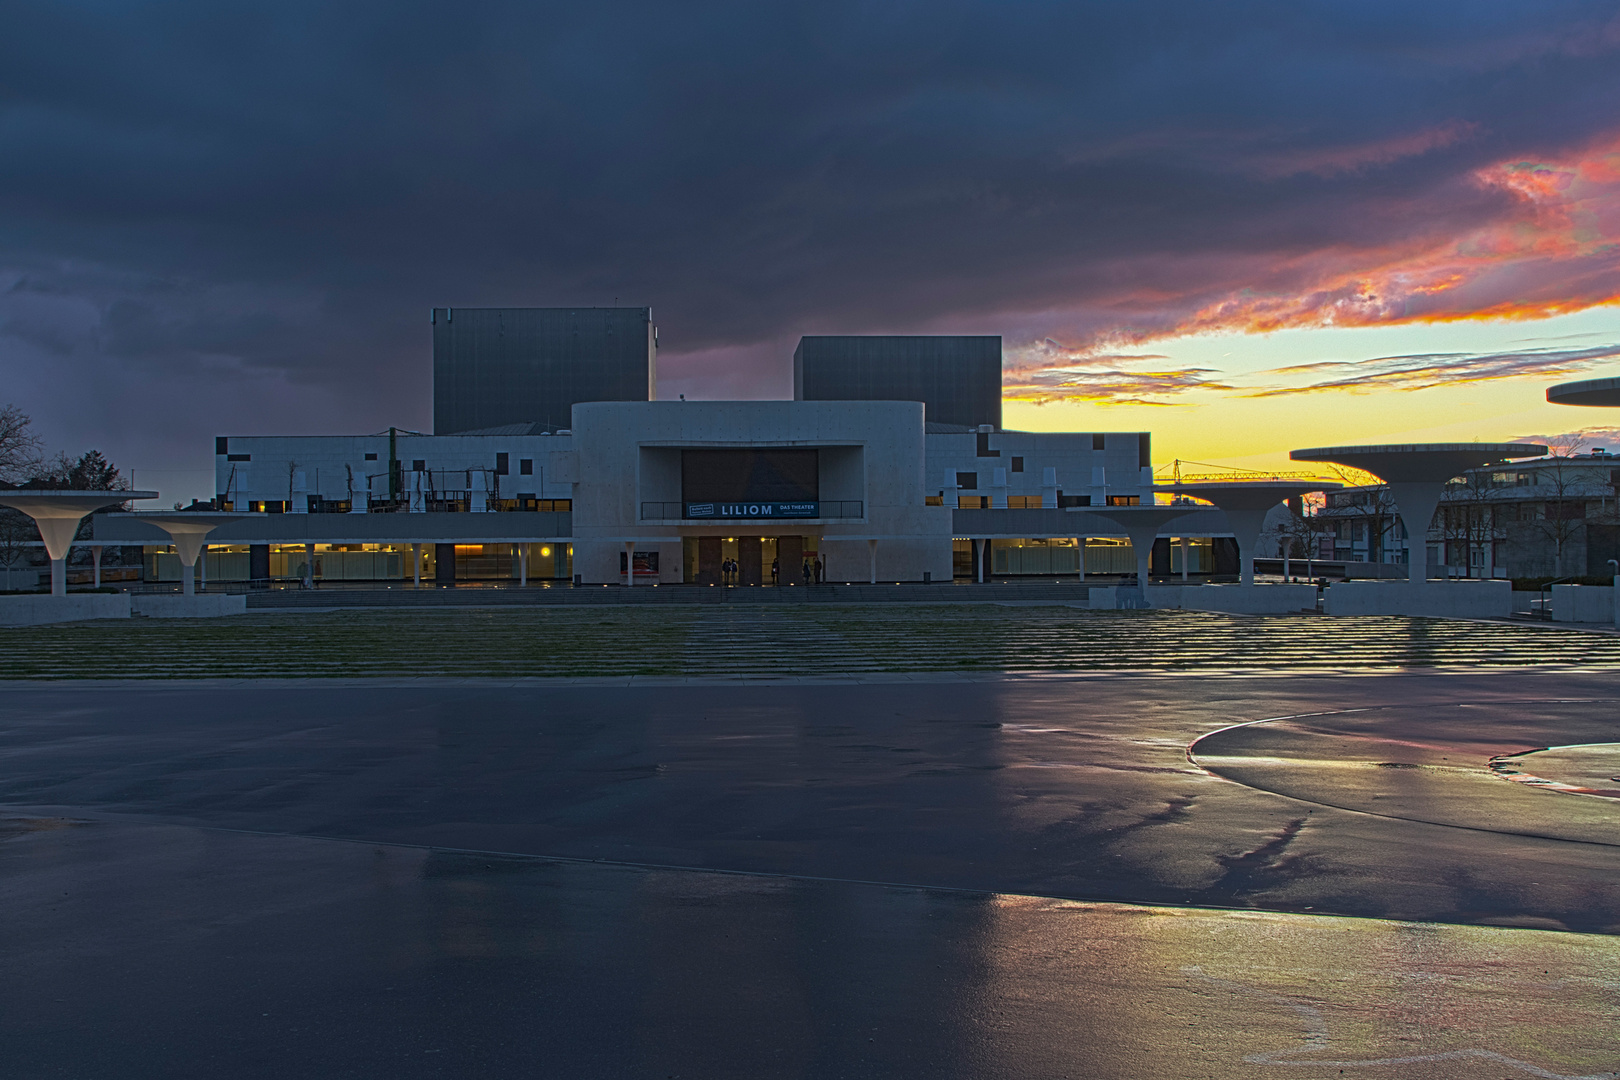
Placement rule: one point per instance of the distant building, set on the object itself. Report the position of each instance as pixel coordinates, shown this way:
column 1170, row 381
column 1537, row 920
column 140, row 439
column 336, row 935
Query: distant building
column 958, row 379
column 1552, row 516
column 499, row 367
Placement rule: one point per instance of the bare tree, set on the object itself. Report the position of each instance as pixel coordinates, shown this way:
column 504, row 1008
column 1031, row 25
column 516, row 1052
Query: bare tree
column 17, row 534
column 1301, row 531
column 1478, row 513
column 1563, row 510
column 19, row 447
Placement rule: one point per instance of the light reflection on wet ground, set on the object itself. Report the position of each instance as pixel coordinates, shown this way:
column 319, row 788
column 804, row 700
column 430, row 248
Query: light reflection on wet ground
column 1439, row 764
column 256, row 880
column 141, row 950
column 1587, row 769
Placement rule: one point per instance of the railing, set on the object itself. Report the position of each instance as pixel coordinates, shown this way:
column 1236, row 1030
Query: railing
column 676, row 511
column 1541, row 606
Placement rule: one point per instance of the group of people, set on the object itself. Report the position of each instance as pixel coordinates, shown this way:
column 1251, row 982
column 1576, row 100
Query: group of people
column 813, row 570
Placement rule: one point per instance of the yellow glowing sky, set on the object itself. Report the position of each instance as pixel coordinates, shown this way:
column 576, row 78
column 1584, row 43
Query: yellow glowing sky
column 1232, row 429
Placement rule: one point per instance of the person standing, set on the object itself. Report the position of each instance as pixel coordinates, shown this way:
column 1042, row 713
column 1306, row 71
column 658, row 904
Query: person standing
column 776, row 571
column 806, row 569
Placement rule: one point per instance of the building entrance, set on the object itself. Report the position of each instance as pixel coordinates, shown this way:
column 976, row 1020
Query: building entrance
column 759, row 560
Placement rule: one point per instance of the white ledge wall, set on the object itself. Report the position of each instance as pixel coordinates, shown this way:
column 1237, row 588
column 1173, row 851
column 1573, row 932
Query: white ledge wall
column 914, row 539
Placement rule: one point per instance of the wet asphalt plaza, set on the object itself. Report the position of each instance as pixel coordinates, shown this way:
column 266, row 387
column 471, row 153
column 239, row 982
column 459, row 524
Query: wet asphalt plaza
column 924, row 876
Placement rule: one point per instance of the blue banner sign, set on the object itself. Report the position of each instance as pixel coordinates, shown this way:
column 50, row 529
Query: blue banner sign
column 731, row 510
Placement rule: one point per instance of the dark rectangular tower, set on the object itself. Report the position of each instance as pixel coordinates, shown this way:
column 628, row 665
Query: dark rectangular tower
column 498, row 366
column 958, row 379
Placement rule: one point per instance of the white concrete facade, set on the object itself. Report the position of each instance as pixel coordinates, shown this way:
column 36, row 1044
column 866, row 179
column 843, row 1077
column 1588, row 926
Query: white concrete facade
column 628, row 494
column 291, row 472
column 888, row 482
column 1087, row 468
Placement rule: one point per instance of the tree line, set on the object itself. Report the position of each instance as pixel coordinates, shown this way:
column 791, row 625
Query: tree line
column 24, row 464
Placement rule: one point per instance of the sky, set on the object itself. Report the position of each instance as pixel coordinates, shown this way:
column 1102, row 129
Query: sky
column 1245, row 227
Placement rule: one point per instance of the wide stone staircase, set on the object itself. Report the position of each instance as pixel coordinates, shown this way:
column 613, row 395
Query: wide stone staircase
column 1046, row 592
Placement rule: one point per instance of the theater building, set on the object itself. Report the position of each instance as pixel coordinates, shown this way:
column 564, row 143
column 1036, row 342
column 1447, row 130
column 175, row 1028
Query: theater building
column 669, row 492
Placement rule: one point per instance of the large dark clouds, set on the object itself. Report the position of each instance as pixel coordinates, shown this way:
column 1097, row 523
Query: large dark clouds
column 222, row 217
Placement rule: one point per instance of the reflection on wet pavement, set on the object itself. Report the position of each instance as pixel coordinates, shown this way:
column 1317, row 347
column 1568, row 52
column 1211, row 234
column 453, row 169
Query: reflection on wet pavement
column 1014, row 878
column 142, row 950
column 1440, row 764
column 1588, row 769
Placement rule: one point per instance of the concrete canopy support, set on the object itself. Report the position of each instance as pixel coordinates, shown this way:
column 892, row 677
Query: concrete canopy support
column 1143, row 525
column 416, row 562
column 187, row 530
column 1246, row 504
column 95, row 557
column 57, row 515
column 629, row 562
column 871, row 555
column 1416, row 475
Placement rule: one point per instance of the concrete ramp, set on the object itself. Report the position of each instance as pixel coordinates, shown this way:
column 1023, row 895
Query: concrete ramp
column 41, row 609
column 175, row 606
column 1431, row 600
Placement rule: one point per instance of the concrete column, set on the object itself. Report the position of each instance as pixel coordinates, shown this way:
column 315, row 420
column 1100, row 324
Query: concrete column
column 95, row 558
column 523, row 566
column 58, row 536
column 202, row 568
column 1245, row 525
column 871, row 555
column 188, row 544
column 1416, row 503
column 1081, row 541
column 979, row 556
column 630, row 563
column 1142, row 535
column 309, row 566
column 416, row 559
column 1184, row 553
